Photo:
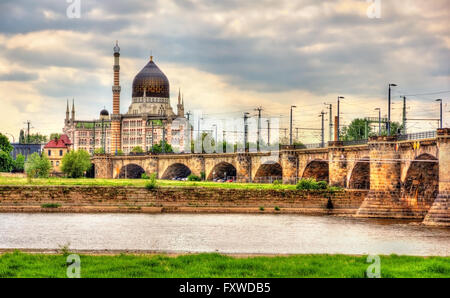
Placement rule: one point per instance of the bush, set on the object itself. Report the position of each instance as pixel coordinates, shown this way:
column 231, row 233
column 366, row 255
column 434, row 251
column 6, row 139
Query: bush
column 152, row 183
column 145, row 176
column 51, row 205
column 76, row 163
column 19, row 163
column 277, row 208
column 277, row 182
column 37, row 166
column 6, row 162
column 202, row 176
column 99, row 151
column 137, row 149
column 193, row 177
column 261, row 208
column 311, row 184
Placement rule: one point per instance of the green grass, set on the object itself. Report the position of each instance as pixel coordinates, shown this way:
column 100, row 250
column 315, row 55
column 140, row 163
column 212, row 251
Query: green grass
column 51, row 205
column 137, row 183
column 19, row 264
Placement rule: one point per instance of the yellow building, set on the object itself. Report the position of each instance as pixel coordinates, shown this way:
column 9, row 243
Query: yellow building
column 55, row 151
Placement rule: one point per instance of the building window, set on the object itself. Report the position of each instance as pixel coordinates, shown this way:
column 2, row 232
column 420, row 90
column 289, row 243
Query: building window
column 49, row 152
column 57, row 163
column 60, row 152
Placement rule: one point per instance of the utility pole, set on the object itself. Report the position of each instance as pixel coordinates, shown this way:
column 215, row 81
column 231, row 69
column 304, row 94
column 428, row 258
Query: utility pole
column 290, row 134
column 322, row 137
column 245, row 130
column 259, row 109
column 389, row 109
column 330, row 107
column 440, row 112
column 338, row 116
column 404, row 115
column 268, row 132
column 379, row 120
column 296, row 134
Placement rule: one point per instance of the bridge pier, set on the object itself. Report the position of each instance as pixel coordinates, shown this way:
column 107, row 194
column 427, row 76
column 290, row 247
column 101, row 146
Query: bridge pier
column 289, row 163
column 383, row 199
column 438, row 213
column 244, row 167
column 103, row 166
column 337, row 164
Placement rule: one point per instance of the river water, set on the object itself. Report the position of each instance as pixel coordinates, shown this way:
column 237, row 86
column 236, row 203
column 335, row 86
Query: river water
column 225, row 233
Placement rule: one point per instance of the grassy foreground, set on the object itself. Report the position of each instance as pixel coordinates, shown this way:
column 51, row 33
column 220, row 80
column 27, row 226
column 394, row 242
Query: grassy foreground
column 19, row 264
column 137, row 182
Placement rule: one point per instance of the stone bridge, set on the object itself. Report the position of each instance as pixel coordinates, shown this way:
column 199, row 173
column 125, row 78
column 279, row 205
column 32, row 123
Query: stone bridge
column 408, row 175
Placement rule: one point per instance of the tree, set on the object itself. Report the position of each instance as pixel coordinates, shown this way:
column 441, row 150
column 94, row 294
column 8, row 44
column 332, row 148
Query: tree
column 36, row 139
column 54, row 135
column 356, row 130
column 137, row 149
column 38, row 166
column 157, row 148
column 5, row 145
column 396, row 129
column 99, row 151
column 75, row 163
column 19, row 163
column 6, row 162
column 22, row 137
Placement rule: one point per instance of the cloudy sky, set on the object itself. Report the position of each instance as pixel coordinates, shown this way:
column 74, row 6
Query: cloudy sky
column 228, row 57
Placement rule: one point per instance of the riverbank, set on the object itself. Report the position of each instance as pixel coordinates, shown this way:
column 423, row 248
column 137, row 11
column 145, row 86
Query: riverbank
column 172, row 199
column 18, row 264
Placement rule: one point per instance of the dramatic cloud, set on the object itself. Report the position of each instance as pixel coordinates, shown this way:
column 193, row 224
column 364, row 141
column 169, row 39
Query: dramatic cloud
column 228, row 56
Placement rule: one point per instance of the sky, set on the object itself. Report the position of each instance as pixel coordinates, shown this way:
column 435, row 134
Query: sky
column 228, row 57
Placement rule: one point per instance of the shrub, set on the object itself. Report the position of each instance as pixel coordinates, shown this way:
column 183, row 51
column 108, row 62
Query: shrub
column 311, row 184
column 277, row 182
column 137, row 149
column 19, row 163
column 75, row 163
column 37, row 166
column 99, row 151
column 152, row 183
column 193, row 177
column 277, row 208
column 202, row 176
column 145, row 176
column 261, row 208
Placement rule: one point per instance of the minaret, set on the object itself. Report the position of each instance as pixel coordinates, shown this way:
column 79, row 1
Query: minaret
column 73, row 111
column 67, row 113
column 115, row 116
column 180, row 105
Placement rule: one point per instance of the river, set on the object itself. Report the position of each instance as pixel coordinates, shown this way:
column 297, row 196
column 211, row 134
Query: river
column 225, row 233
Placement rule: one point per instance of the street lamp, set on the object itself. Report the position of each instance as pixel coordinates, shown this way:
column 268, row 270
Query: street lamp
column 338, row 116
column 440, row 112
column 379, row 120
column 290, row 135
column 389, row 110
column 245, row 130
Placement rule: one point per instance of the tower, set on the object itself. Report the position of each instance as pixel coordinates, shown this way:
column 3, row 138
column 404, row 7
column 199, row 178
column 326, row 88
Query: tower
column 180, row 105
column 73, row 111
column 67, row 114
column 115, row 117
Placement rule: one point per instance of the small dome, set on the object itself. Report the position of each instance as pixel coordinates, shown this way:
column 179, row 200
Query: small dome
column 151, row 80
column 104, row 112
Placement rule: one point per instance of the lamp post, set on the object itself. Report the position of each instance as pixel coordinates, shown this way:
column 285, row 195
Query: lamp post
column 379, row 120
column 338, row 116
column 290, row 134
column 245, row 130
column 389, row 110
column 440, row 112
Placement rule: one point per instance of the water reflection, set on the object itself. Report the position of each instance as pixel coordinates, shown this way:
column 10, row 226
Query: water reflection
column 227, row 233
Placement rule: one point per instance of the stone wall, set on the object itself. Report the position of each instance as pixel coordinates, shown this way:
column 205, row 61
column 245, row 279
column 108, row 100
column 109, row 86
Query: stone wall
column 165, row 199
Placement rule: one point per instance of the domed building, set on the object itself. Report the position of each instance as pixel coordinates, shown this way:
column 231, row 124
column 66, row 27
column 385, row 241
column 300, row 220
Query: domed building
column 149, row 120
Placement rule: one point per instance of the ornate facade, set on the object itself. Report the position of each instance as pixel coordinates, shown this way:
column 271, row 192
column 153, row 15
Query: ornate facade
column 149, row 119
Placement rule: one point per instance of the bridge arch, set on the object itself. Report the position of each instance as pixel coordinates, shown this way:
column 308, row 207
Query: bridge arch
column 131, row 171
column 317, row 169
column 422, row 179
column 360, row 177
column 268, row 172
column 90, row 173
column 176, row 170
column 223, row 170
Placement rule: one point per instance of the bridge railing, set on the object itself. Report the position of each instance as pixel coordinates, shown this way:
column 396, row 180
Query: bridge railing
column 418, row 136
